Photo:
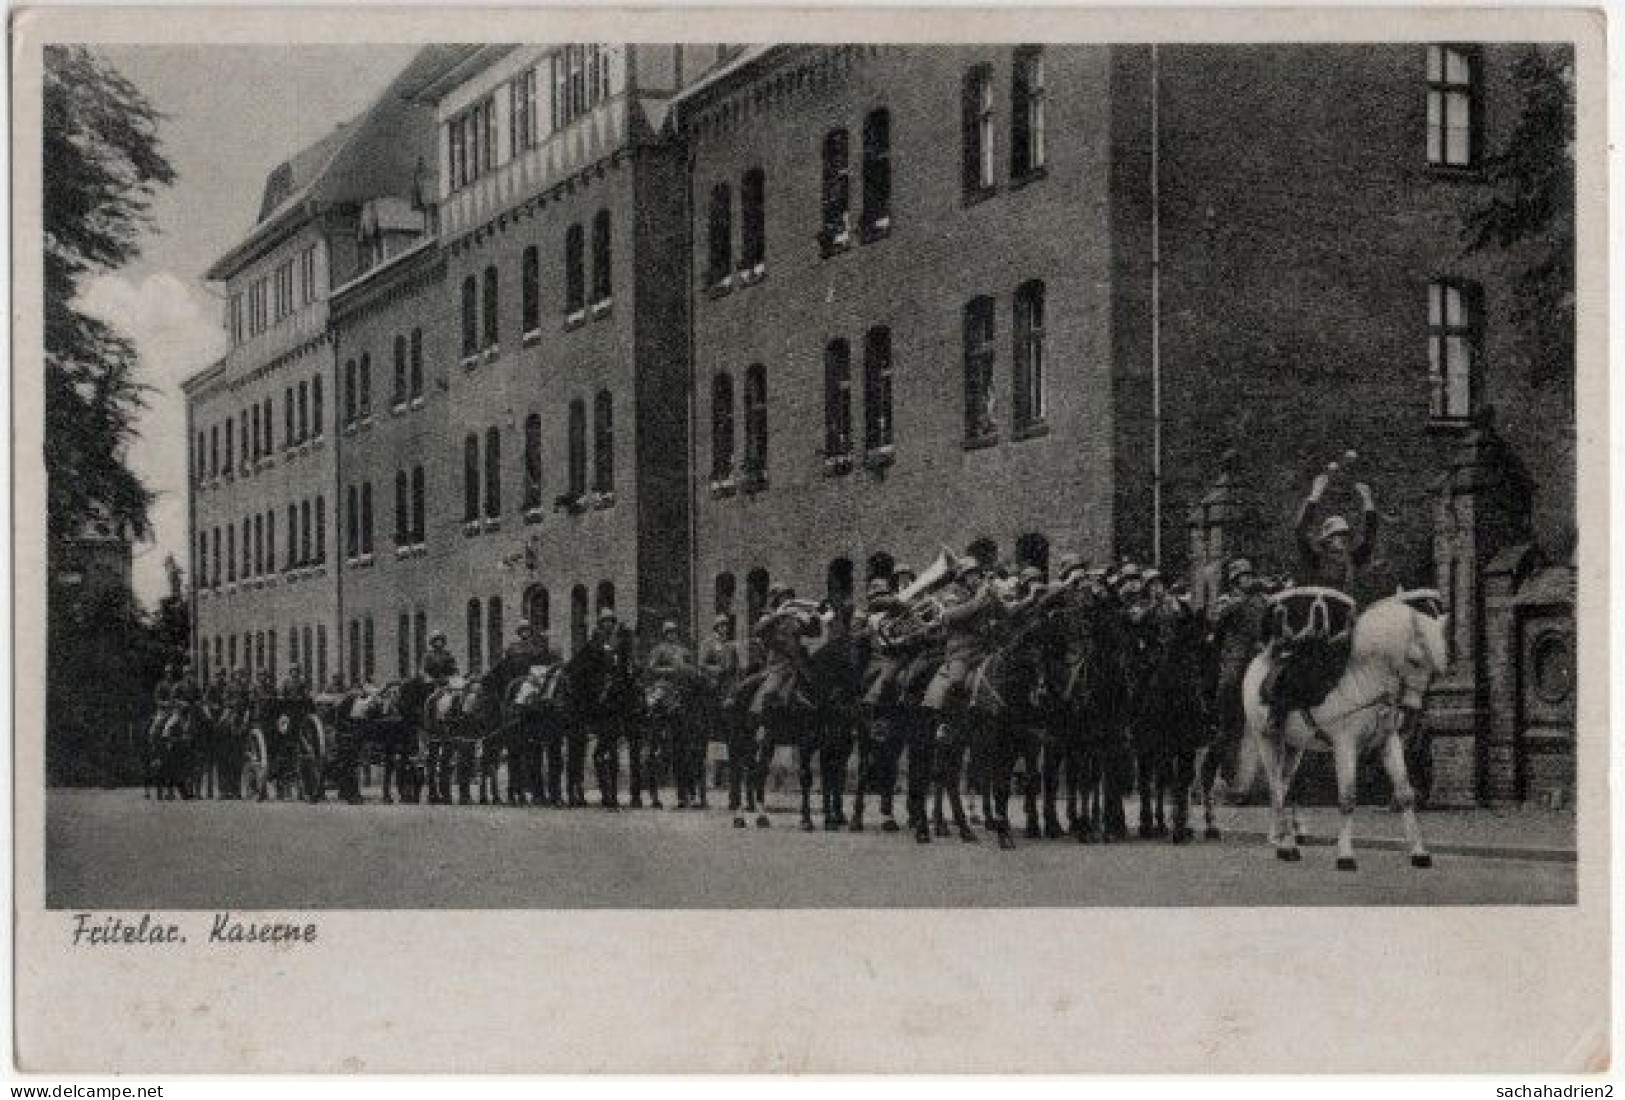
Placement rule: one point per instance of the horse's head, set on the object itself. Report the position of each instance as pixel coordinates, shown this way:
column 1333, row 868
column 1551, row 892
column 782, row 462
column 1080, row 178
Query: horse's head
column 1410, row 637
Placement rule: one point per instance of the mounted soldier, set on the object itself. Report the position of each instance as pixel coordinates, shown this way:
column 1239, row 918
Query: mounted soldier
column 671, row 695
column 439, row 667
column 605, row 669
column 719, row 676
column 535, row 753
column 1314, row 619
column 1239, row 619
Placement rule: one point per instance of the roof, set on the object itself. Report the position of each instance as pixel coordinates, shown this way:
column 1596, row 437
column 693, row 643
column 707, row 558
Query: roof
column 387, row 150
column 700, row 92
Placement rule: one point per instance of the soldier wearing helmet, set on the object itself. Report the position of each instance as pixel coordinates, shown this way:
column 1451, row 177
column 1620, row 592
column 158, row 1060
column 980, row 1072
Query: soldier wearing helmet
column 438, row 664
column 1331, row 552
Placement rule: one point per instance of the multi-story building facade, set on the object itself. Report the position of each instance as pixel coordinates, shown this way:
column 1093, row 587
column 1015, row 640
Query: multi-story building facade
column 651, row 327
column 265, row 502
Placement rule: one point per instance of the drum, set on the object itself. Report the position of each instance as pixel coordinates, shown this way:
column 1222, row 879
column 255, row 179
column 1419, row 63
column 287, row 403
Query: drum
column 1302, row 612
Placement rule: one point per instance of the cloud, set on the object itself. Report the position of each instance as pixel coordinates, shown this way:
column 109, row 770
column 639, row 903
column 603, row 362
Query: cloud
column 175, row 326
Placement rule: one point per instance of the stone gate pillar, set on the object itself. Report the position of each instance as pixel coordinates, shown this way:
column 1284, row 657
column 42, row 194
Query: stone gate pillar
column 1222, row 524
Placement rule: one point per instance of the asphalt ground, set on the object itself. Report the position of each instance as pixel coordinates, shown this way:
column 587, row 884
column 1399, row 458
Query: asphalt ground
column 116, row 850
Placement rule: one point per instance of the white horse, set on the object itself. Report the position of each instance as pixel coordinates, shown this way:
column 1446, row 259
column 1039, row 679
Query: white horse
column 1399, row 645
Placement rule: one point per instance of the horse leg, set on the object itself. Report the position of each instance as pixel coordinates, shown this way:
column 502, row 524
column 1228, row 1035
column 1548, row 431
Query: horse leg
column 953, row 776
column 760, row 766
column 867, row 763
column 1343, row 759
column 1181, row 774
column 805, row 754
column 1393, row 760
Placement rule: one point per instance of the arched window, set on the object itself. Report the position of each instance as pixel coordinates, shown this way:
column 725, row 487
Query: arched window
column 493, row 629
column 1027, row 102
column 365, row 385
column 231, row 552
column 403, row 510
column 416, row 380
column 578, row 618
column 248, row 552
column 719, row 241
column 420, row 638
column 321, row 529
column 475, row 641
column 366, row 518
column 403, row 646
column 837, row 191
column 310, row 658
column 355, row 652
column 471, row 332
column 530, row 291
column 756, row 421
column 978, row 336
column 756, row 584
column 837, row 399
column 838, row 584
column 493, row 473
column 606, row 597
column 291, row 558
column 1033, row 549
column 723, row 598
column 533, row 462
column 352, row 525
column 575, row 276
column 603, row 442
column 752, row 219
column 270, row 651
column 305, row 553
column 259, row 546
column 1027, row 379
column 304, row 418
column 368, row 666
column 245, row 454
column 976, row 131
column 876, row 216
column 877, row 389
column 419, row 529
column 256, row 412
column 287, row 423
column 321, row 653
column 399, row 397
column 578, row 448
column 489, row 307
column 722, row 426
column 270, row 540
column 471, row 477
column 316, row 422
column 537, row 611
column 603, row 281
column 881, row 566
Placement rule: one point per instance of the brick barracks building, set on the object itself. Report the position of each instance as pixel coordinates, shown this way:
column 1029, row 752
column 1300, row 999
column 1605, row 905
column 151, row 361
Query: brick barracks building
column 656, row 326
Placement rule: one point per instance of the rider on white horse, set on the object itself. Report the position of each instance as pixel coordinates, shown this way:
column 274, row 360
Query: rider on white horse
column 1330, row 556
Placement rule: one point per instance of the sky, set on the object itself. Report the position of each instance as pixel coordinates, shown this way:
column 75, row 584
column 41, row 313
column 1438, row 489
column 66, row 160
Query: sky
column 232, row 113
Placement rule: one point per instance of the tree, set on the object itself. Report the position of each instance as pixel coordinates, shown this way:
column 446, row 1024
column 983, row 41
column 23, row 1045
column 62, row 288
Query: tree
column 102, row 166
column 1528, row 210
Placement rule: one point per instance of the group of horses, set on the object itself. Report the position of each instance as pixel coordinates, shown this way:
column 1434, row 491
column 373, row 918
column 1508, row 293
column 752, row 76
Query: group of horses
column 1085, row 707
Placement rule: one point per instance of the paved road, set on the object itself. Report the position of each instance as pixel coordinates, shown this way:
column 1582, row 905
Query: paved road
column 113, row 850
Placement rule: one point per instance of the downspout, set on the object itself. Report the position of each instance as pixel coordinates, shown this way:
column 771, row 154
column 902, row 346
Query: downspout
column 689, row 322
column 1156, row 326
column 335, row 387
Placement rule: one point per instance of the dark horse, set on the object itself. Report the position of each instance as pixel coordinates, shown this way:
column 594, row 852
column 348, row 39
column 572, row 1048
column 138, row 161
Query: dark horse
column 1004, row 710
column 1169, row 723
column 816, row 714
column 1088, row 694
column 603, row 699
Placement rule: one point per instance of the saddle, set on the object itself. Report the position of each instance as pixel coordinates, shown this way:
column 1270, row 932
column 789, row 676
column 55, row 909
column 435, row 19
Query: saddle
column 1309, row 633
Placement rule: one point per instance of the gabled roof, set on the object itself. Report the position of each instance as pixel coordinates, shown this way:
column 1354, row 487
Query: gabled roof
column 388, row 149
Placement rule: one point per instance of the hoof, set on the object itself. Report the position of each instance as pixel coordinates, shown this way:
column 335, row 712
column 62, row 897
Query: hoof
column 856, row 826
column 1033, row 832
column 1182, row 836
column 1346, row 863
column 1210, row 833
column 1423, row 860
column 887, row 826
column 806, row 825
column 922, row 836
column 1053, row 830
column 388, row 801
column 969, row 837
column 942, row 829
column 1005, row 841
column 1288, row 855
column 1147, row 832
column 657, row 805
column 762, row 822
column 831, row 825
column 739, row 823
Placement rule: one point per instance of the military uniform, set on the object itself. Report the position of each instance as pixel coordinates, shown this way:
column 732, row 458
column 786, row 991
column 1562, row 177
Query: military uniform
column 438, row 667
column 965, row 624
column 780, row 634
column 610, row 658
